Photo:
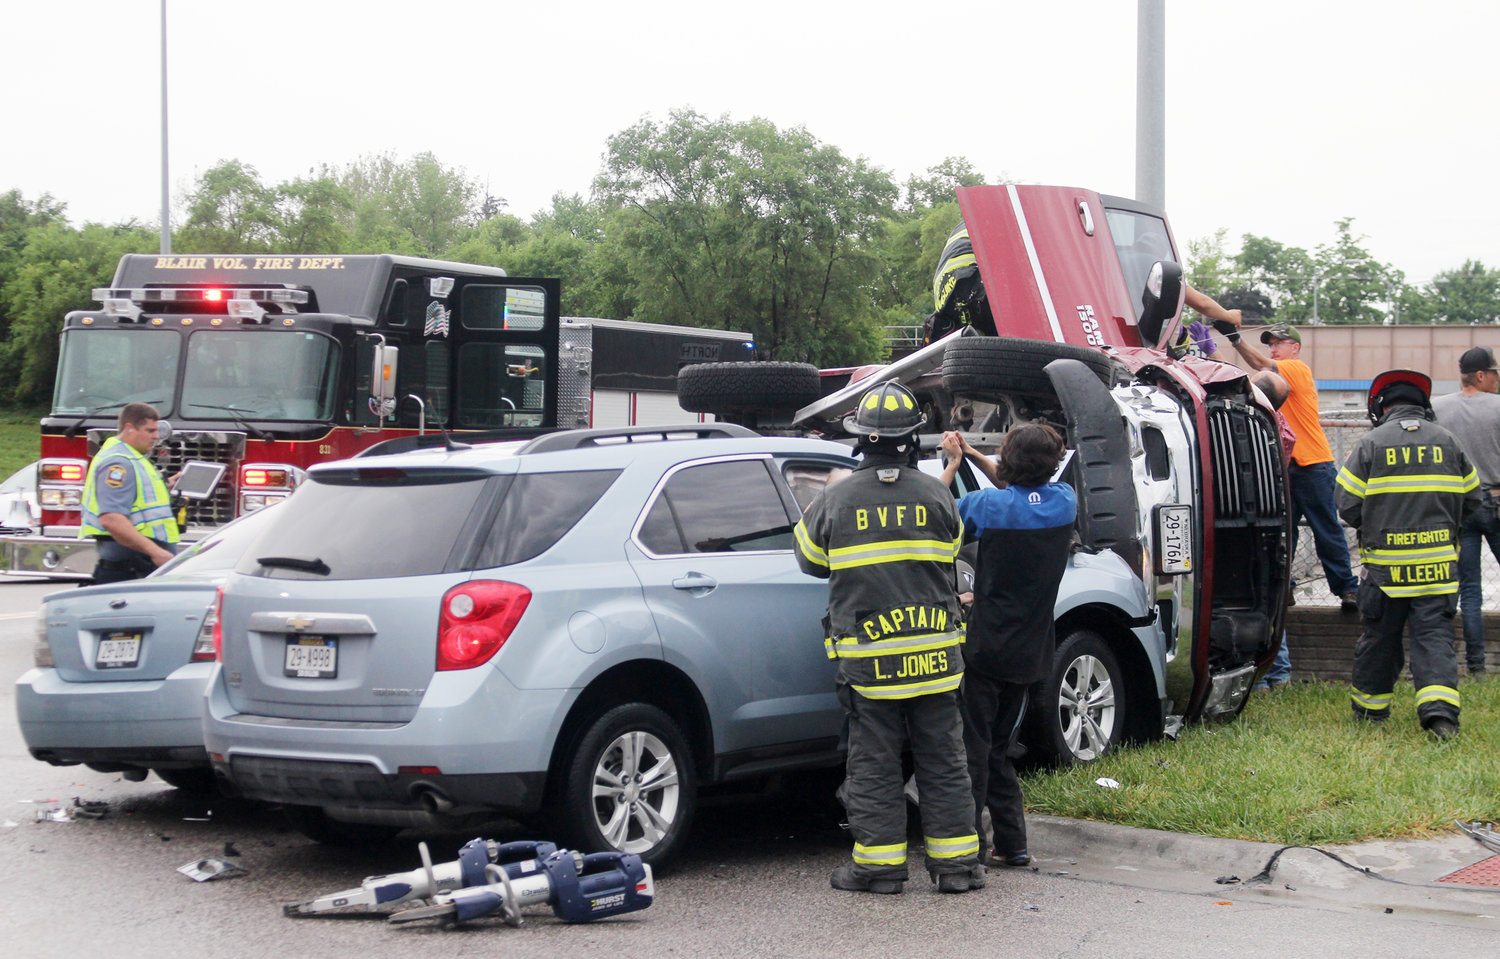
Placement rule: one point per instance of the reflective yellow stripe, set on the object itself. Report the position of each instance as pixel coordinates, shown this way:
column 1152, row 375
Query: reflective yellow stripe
column 892, row 551
column 1351, row 482
column 1432, row 589
column 1373, row 702
column 880, row 855
column 1437, row 694
column 1422, row 483
column 952, row 848
column 854, row 649
column 1397, row 557
column 908, row 690
column 807, row 547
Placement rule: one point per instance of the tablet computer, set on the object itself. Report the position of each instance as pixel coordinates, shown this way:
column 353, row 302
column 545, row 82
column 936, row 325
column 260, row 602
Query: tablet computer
column 198, row 479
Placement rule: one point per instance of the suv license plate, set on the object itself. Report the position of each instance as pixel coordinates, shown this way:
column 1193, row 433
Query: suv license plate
column 1174, row 539
column 118, row 650
column 311, row 657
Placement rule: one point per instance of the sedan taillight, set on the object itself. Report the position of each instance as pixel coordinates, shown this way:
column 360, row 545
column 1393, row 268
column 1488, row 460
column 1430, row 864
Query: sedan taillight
column 41, row 650
column 217, row 629
column 477, row 619
column 206, row 646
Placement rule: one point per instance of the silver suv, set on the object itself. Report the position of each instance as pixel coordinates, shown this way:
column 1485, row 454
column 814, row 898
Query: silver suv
column 591, row 624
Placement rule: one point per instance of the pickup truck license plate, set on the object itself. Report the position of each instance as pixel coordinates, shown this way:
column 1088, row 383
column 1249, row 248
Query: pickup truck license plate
column 311, row 657
column 118, row 650
column 1174, row 539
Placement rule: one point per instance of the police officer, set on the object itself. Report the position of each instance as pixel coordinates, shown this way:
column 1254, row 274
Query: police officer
column 886, row 537
column 1407, row 488
column 126, row 507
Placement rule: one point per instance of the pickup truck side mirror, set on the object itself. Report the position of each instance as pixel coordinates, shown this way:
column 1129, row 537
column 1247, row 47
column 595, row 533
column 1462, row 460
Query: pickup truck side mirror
column 1161, row 305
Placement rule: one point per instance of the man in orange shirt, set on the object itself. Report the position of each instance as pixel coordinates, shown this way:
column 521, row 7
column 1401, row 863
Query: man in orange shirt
column 1311, row 472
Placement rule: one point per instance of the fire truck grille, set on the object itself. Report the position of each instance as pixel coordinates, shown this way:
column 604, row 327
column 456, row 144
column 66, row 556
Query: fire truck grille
column 210, row 447
column 1246, row 453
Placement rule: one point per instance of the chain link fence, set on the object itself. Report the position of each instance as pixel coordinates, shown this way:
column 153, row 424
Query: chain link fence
column 1343, row 431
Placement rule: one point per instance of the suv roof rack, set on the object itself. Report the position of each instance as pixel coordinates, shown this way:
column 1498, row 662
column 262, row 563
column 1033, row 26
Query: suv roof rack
column 579, row 439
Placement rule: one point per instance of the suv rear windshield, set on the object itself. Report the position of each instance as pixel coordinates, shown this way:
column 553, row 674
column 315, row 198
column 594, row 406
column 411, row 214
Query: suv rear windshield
column 371, row 524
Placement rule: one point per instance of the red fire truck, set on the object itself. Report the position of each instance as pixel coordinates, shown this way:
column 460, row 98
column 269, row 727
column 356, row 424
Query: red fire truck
column 270, row 364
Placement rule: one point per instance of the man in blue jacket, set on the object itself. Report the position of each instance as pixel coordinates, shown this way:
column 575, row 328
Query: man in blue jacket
column 1025, row 532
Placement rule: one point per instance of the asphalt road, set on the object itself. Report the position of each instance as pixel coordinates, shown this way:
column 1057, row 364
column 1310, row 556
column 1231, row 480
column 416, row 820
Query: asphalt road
column 753, row 882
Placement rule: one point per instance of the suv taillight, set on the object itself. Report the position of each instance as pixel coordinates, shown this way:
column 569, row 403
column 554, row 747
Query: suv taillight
column 206, row 646
column 477, row 619
column 218, row 626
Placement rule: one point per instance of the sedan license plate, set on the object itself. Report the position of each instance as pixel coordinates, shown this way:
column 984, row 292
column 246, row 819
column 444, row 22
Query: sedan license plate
column 1174, row 539
column 118, row 650
column 311, row 657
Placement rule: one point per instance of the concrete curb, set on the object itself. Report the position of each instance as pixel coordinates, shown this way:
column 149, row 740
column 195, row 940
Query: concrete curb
column 1384, row 876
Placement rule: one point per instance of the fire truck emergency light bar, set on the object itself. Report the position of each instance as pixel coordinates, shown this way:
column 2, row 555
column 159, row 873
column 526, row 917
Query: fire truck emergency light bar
column 242, row 303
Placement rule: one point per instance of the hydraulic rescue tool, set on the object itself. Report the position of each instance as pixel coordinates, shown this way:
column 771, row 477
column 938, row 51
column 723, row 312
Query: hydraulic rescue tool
column 578, row 887
column 490, row 877
column 469, row 869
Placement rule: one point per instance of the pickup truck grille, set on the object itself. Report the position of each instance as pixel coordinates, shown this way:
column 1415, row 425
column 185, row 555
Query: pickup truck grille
column 1245, row 449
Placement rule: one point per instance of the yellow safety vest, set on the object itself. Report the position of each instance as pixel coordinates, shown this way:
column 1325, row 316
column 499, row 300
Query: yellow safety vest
column 151, row 513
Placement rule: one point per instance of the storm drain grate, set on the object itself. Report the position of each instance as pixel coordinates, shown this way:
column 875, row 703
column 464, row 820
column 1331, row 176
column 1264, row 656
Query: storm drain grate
column 1485, row 872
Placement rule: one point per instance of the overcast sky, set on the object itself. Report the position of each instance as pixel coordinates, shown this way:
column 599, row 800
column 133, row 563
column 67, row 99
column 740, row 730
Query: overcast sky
column 1282, row 115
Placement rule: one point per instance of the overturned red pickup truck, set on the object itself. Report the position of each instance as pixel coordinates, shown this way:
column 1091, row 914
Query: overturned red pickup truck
column 1175, row 593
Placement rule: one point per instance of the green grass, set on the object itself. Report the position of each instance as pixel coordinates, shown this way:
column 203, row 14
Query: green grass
column 20, row 441
column 1296, row 768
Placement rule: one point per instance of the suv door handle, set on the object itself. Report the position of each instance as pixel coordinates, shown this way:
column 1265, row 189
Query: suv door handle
column 700, row 584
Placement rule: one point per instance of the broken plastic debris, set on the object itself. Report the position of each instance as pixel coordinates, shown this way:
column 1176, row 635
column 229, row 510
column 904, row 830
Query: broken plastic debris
column 204, row 870
column 1227, row 880
column 1106, row 782
column 9, row 824
column 86, row 809
column 53, row 815
column 1030, row 908
column 36, row 801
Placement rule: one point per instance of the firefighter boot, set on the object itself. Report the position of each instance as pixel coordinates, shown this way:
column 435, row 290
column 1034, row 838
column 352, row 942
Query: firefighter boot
column 850, row 879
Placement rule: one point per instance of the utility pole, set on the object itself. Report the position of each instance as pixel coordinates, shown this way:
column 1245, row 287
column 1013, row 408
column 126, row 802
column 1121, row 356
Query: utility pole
column 166, row 192
column 1150, row 103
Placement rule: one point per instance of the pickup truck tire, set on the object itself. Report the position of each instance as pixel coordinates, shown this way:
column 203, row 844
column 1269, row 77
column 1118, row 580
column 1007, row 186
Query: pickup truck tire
column 1079, row 714
column 631, row 784
column 726, row 387
column 986, row 367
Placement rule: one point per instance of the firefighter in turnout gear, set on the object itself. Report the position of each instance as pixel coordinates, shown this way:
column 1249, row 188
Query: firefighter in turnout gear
column 885, row 537
column 1407, row 488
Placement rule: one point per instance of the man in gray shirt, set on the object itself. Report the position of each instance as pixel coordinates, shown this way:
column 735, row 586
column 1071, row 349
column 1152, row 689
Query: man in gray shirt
column 1472, row 415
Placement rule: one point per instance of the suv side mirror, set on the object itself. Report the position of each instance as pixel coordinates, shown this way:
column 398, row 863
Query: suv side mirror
column 1161, row 305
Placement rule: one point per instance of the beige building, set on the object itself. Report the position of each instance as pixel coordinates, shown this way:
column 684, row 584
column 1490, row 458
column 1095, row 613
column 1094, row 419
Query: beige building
column 1344, row 359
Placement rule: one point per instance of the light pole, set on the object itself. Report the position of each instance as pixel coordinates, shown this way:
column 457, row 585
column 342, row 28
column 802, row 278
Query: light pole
column 166, row 192
column 1150, row 103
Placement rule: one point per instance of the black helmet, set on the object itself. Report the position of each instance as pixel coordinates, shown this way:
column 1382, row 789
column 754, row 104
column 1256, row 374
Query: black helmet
column 1398, row 387
column 889, row 411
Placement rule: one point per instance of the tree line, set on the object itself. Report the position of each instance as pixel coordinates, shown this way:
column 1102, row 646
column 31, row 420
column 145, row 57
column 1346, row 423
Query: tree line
column 690, row 220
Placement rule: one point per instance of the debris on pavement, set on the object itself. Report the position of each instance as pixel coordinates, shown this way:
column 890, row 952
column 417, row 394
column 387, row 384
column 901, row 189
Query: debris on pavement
column 1227, row 880
column 205, row 870
column 88, row 809
column 53, row 815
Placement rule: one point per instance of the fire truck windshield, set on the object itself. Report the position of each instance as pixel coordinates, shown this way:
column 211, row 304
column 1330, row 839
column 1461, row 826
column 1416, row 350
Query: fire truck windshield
column 248, row 374
column 114, row 367
column 259, row 375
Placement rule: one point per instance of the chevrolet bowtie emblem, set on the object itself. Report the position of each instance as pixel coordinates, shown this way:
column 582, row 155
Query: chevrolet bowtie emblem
column 298, row 623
